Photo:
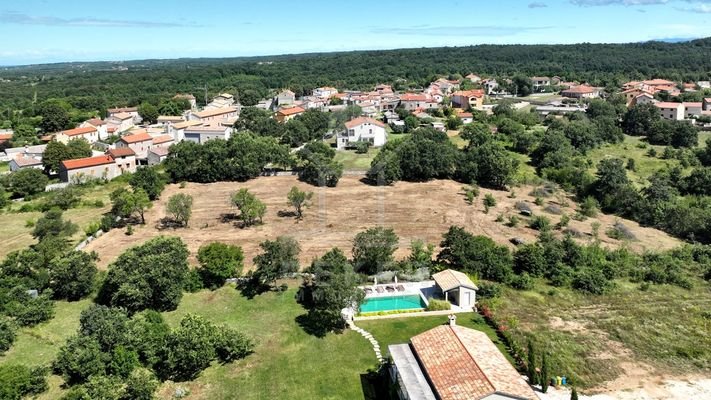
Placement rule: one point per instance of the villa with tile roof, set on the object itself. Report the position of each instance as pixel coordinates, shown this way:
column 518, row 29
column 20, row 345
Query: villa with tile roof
column 88, row 133
column 287, row 114
column 451, row 362
column 140, row 143
column 363, row 129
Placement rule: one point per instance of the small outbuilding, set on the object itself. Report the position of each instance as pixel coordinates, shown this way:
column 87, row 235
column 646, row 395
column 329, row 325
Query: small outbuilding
column 456, row 287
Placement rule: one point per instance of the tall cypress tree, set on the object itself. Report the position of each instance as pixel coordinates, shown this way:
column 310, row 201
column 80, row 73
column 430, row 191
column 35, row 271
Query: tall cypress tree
column 574, row 395
column 531, row 367
column 545, row 372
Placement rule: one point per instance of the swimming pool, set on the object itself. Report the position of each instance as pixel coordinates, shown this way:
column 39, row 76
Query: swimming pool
column 391, row 303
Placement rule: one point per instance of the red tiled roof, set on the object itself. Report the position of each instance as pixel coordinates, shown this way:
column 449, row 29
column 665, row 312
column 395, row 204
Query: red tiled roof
column 96, row 122
column 162, row 139
column 658, row 82
column 667, row 104
column 79, row 131
column 5, row 136
column 140, row 137
column 469, row 93
column 159, row 151
column 464, row 364
column 580, row 89
column 413, row 97
column 363, row 120
column 121, row 152
column 692, row 104
column 87, row 162
column 291, row 111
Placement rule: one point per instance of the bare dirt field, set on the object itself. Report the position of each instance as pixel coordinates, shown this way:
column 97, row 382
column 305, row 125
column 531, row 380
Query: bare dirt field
column 415, row 210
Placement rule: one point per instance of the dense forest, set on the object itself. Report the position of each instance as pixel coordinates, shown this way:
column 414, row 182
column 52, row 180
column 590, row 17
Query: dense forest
column 94, row 86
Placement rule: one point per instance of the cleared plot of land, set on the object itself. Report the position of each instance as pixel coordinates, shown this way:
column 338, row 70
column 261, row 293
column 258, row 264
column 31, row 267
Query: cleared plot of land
column 415, row 210
column 634, row 147
column 622, row 340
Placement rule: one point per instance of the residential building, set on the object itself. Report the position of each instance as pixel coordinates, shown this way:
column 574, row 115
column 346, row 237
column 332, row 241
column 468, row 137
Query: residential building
column 438, row 126
column 178, row 130
column 139, row 142
column 124, row 160
column 490, row 86
column 157, row 155
column 287, row 97
column 202, row 133
column 84, row 169
column 325, row 92
column 671, row 111
column 466, row 117
column 467, row 99
column 189, row 97
column 5, row 136
column 162, row 141
column 223, row 100
column 89, row 133
column 132, row 111
column 473, row 78
column 456, row 287
column 121, row 121
column 692, row 109
column 101, row 126
column 287, row 114
column 214, row 114
column 451, row 362
column 413, row 101
column 581, row 92
column 170, row 119
column 23, row 162
column 362, row 129
column 540, row 81
column 26, row 151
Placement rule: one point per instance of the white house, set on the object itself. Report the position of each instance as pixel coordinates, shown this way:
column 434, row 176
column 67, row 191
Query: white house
column 140, row 143
column 202, row 133
column 215, row 114
column 581, row 92
column 362, row 129
column 89, row 133
column 286, row 97
column 121, row 121
column 671, row 111
column 156, row 155
column 692, row 109
column 101, row 126
column 325, row 92
column 539, row 81
column 124, row 160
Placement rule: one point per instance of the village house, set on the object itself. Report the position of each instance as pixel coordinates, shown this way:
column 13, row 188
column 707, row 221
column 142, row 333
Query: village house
column 643, row 98
column 215, row 114
column 581, row 92
column 124, row 160
column 121, row 121
column 84, row 169
column 467, row 99
column 451, row 362
column 89, row 133
column 223, row 100
column 490, row 86
column 671, row 111
column 466, row 117
column 162, row 141
column 540, row 81
column 24, row 162
column 202, row 133
column 157, row 155
column 325, row 92
column 140, row 143
column 446, row 86
column 5, row 136
column 132, row 111
column 362, row 129
column 101, row 126
column 35, row 151
column 170, row 119
column 286, row 97
column 473, row 78
column 413, row 101
column 189, row 97
column 287, row 114
column 706, row 104
column 692, row 109
column 177, row 131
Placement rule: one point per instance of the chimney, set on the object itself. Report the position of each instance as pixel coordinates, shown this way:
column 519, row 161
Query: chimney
column 452, row 320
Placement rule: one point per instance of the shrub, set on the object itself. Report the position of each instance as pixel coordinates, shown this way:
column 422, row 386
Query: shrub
column 218, row 262
column 107, row 223
column 589, row 207
column 591, row 281
column 540, row 223
column 92, row 228
column 7, row 334
column 538, row 201
column 79, row 359
column 522, row 282
column 619, row 231
column 438, row 305
column 564, row 221
column 488, row 290
column 361, row 147
column 193, row 281
column 232, row 345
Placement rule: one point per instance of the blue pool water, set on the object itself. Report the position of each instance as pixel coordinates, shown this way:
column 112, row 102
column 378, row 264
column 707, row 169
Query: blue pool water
column 390, row 303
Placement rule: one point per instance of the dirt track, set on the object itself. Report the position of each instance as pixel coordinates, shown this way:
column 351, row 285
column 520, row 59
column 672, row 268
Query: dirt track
column 415, row 210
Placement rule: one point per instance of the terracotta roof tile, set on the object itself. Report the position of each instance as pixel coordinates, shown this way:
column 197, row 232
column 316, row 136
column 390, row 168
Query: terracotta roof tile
column 79, row 131
column 450, row 279
column 363, row 120
column 87, row 162
column 139, row 137
column 162, row 139
column 121, row 152
column 215, row 112
column 291, row 111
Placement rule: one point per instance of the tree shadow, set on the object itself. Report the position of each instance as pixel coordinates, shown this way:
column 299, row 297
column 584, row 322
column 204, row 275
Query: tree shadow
column 251, row 288
column 286, row 214
column 318, row 324
column 229, row 217
column 168, row 223
column 376, row 385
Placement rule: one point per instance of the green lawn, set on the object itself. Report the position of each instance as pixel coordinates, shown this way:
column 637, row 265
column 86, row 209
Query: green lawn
column 4, row 166
column 636, row 148
column 589, row 336
column 353, row 161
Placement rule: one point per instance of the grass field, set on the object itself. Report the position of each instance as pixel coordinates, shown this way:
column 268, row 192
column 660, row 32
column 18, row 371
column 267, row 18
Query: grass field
column 636, row 148
column 618, row 339
column 16, row 234
column 353, row 161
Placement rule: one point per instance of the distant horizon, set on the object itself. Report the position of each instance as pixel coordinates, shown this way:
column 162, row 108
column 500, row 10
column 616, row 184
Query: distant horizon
column 55, row 31
column 119, row 61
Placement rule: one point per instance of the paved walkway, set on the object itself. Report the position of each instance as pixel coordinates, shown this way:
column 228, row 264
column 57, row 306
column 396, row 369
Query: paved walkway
column 371, row 339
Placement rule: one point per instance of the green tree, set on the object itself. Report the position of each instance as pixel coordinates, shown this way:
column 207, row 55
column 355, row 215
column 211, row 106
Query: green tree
column 320, row 171
column 479, row 255
column 219, row 262
column 126, row 203
column 148, row 276
column 73, row 275
column 279, row 257
column 232, row 345
column 79, row 359
column 108, row 326
column 531, row 372
column 188, row 350
column 299, row 199
column 373, row 250
column 140, row 385
column 8, row 333
column 148, row 112
column 52, row 224
column 148, row 179
column 27, row 182
column 251, row 209
column 180, row 206
column 54, row 117
column 54, row 153
column 19, row 381
column 574, row 394
column 638, row 121
column 545, row 372
column 146, row 334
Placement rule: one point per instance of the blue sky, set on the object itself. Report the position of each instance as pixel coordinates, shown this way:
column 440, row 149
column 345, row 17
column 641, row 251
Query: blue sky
column 39, row 31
